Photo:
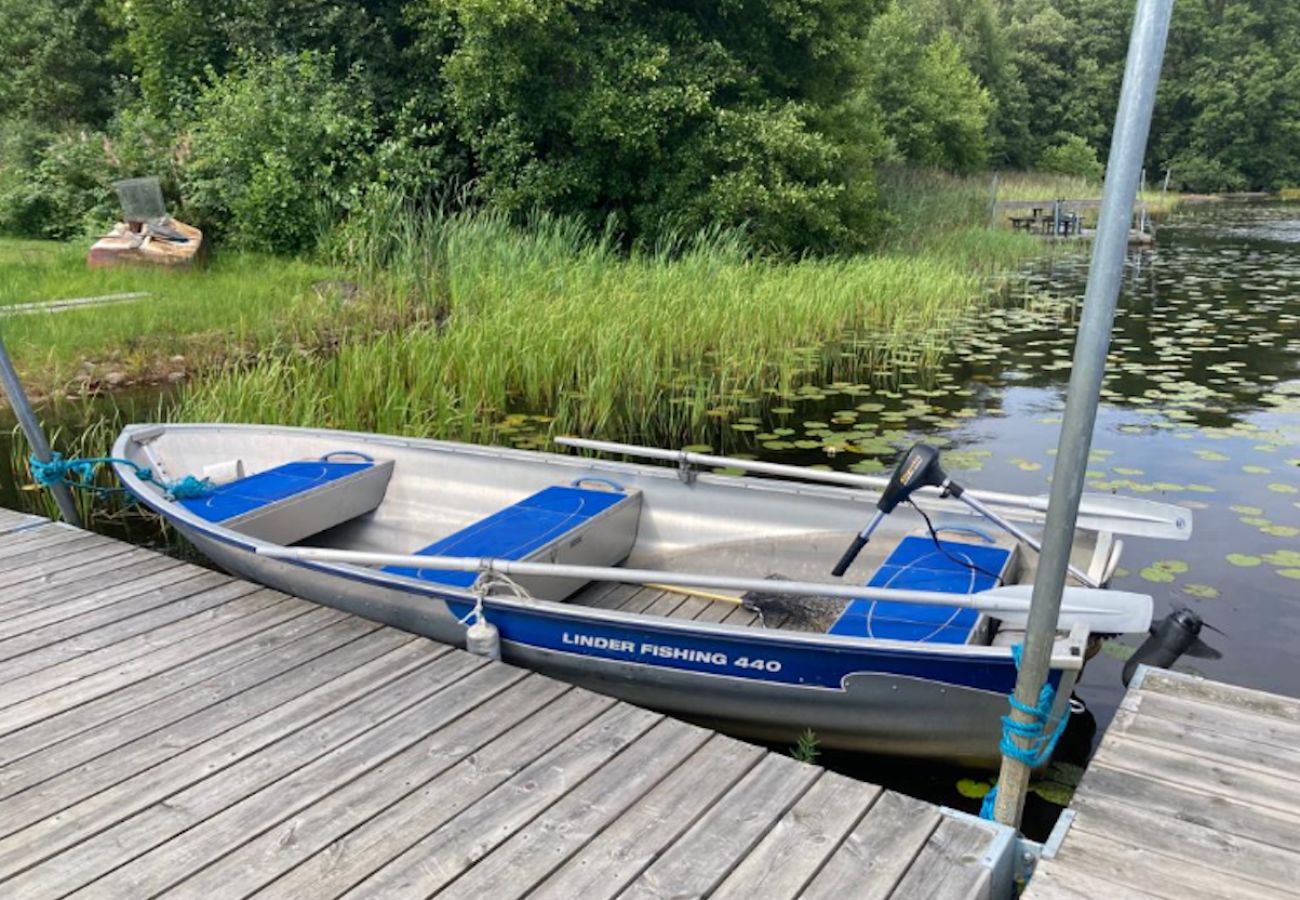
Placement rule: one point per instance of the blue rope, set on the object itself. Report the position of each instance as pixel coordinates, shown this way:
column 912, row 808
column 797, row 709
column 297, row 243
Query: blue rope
column 1040, row 742
column 80, row 473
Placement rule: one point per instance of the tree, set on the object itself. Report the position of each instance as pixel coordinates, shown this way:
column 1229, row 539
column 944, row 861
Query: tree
column 56, row 67
column 934, row 111
column 662, row 117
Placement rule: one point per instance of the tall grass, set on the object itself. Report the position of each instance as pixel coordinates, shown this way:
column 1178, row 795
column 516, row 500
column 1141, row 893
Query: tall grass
column 1050, row 186
column 549, row 319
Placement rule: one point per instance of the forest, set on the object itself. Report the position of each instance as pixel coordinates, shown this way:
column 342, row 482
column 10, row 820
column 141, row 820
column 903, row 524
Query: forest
column 647, row 120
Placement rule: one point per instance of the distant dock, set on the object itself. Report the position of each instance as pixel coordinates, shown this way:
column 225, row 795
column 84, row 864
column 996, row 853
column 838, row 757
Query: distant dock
column 170, row 730
column 1064, row 219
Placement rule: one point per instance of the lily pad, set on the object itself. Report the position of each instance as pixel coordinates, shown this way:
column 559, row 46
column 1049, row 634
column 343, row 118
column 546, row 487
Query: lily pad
column 1158, row 575
column 1116, row 650
column 1289, row 573
column 1278, row 487
column 1243, row 560
column 972, row 789
column 1053, row 792
column 1285, row 531
column 1203, row 591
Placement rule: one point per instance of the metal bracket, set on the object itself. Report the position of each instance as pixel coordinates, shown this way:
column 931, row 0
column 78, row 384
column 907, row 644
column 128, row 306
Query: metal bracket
column 1052, row 845
column 1011, row 858
column 685, row 470
column 1004, row 859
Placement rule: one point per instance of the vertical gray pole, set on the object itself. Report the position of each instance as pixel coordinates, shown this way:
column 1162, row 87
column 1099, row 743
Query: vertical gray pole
column 993, row 201
column 1132, row 125
column 13, row 389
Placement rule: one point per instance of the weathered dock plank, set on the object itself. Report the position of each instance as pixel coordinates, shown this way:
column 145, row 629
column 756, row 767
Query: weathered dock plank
column 1194, row 791
column 169, row 731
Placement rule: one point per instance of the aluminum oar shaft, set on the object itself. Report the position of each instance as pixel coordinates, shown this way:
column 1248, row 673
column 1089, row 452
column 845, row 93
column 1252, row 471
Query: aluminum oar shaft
column 1103, row 611
column 1123, row 515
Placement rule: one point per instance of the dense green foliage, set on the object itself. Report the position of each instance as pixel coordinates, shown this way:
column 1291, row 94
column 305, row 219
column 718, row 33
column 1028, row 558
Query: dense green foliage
column 647, row 119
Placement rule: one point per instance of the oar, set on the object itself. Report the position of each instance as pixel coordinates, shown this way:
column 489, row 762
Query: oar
column 1099, row 512
column 1102, row 611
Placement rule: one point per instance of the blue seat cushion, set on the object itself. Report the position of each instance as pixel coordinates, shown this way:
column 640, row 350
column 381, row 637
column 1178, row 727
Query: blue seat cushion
column 516, row 531
column 916, row 564
column 236, row 498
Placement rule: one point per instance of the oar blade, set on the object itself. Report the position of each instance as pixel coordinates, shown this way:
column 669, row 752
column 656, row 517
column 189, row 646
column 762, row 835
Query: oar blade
column 1103, row 611
column 1134, row 516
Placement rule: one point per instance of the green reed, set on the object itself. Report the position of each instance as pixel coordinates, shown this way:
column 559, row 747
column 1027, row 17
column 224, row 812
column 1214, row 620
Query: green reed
column 548, row 319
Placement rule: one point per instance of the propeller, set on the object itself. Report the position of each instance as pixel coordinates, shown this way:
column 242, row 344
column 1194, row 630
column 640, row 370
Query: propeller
column 1177, row 634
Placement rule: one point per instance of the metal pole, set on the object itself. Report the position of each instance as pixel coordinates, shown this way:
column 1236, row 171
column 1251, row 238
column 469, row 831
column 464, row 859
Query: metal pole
column 13, row 389
column 993, row 201
column 1132, row 125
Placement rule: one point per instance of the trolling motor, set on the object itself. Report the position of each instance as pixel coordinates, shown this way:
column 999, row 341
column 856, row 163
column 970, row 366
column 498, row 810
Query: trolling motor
column 920, row 468
column 1175, row 635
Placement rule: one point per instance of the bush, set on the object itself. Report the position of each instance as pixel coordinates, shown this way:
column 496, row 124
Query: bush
column 1194, row 172
column 1072, row 156
column 278, row 148
column 59, row 184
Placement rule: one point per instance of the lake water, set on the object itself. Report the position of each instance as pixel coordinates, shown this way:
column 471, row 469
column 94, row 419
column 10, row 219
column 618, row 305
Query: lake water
column 1201, row 408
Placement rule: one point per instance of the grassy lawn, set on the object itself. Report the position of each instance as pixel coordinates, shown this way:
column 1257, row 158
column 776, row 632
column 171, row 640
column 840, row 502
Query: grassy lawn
column 234, row 306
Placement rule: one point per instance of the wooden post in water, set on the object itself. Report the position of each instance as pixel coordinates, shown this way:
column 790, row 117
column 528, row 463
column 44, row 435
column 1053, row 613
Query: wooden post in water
column 22, row 408
column 1132, row 125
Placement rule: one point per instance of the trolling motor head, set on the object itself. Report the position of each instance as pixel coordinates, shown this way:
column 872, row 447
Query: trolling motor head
column 1171, row 637
column 918, row 468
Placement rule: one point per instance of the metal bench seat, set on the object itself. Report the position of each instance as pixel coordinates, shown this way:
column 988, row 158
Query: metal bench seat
column 564, row 524
column 296, row 500
column 917, row 564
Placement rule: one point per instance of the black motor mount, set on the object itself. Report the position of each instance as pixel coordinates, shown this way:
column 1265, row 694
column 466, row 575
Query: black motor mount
column 1173, row 636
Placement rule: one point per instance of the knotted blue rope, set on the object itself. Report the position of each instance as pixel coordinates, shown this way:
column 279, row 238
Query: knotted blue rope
column 80, row 473
column 1039, row 741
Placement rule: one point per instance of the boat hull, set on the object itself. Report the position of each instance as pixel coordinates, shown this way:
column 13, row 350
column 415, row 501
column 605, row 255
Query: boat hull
column 898, row 701
column 855, row 693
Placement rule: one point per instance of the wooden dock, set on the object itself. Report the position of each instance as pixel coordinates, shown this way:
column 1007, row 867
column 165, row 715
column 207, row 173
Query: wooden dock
column 169, row 730
column 1194, row 792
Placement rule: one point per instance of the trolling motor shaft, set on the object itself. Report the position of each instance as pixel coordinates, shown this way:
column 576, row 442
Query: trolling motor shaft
column 920, row 468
